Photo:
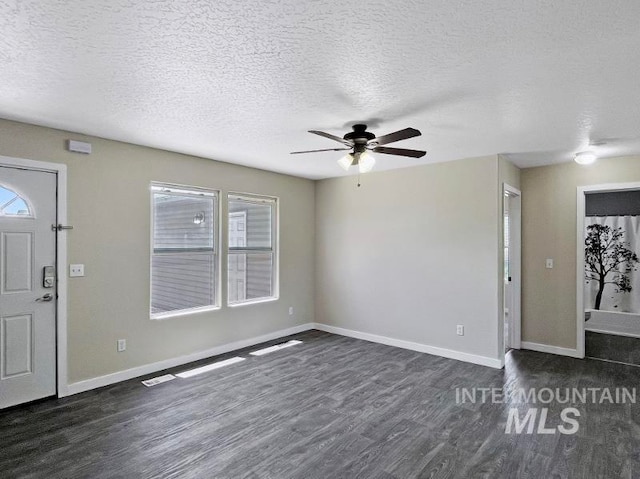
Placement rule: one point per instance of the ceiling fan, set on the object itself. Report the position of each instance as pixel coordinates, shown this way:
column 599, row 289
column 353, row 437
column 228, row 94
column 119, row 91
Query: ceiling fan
column 360, row 142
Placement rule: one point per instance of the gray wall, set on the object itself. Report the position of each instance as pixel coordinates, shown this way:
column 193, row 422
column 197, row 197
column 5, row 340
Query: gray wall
column 109, row 207
column 412, row 253
column 549, row 231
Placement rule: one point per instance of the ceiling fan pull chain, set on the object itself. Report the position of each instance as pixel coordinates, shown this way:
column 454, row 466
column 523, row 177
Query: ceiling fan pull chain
column 358, row 179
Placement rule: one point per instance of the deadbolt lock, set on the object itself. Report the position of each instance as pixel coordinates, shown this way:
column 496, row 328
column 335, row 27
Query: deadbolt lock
column 48, row 277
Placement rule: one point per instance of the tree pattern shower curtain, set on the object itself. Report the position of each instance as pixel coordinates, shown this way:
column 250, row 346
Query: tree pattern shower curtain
column 612, row 300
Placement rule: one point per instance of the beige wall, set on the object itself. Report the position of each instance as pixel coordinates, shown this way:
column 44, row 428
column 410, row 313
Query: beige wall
column 109, row 209
column 549, row 231
column 412, row 253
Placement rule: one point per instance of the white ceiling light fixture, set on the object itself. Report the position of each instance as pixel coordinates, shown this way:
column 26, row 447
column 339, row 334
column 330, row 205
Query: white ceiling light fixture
column 364, row 161
column 585, row 158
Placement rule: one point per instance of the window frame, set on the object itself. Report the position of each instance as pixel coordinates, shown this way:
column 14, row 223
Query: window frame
column 274, row 201
column 198, row 192
column 19, row 196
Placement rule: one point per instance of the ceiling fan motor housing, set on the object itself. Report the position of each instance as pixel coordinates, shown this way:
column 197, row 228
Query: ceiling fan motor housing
column 359, row 134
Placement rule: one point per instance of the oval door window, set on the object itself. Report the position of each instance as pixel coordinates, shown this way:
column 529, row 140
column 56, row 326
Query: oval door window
column 12, row 204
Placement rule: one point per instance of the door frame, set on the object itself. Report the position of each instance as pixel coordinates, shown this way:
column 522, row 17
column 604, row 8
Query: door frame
column 515, row 261
column 581, row 212
column 61, row 260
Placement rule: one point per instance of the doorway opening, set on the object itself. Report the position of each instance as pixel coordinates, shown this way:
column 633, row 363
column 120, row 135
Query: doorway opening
column 511, row 271
column 609, row 273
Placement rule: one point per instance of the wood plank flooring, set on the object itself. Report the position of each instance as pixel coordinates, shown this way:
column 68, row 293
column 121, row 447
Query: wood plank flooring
column 612, row 347
column 332, row 407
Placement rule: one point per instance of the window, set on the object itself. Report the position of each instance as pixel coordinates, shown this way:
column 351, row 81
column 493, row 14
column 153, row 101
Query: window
column 184, row 260
column 11, row 204
column 252, row 259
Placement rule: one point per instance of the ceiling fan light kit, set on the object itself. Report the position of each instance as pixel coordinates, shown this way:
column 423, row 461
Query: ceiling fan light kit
column 360, row 142
column 585, row 158
column 364, row 161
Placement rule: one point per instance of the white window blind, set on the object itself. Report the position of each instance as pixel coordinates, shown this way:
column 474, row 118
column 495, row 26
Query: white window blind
column 184, row 250
column 252, row 258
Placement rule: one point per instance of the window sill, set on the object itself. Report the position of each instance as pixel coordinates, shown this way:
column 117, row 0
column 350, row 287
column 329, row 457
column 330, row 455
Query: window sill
column 254, row 301
column 182, row 312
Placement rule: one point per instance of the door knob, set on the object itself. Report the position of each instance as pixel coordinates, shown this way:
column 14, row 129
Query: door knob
column 45, row 299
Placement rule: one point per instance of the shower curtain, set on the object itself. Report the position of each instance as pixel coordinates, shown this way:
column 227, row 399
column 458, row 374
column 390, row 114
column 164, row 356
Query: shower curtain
column 612, row 301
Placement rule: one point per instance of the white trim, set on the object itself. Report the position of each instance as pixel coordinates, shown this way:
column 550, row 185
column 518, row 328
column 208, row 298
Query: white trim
column 146, row 369
column 249, row 302
column 515, row 219
column 580, row 212
column 511, row 189
column 422, row 348
column 580, row 216
column 182, row 312
column 545, row 348
column 603, row 331
column 61, row 259
column 127, row 374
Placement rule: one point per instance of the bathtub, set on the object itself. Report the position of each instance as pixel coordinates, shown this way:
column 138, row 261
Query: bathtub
column 612, row 322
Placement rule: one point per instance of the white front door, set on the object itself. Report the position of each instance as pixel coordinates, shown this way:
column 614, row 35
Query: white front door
column 27, row 285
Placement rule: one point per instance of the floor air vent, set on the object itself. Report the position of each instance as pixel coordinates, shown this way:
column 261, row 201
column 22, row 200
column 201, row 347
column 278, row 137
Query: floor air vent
column 277, row 347
column 158, row 380
column 209, row 367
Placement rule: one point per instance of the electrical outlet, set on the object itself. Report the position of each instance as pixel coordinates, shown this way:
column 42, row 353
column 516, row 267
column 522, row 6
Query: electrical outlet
column 460, row 330
column 76, row 270
column 122, row 345
column 290, row 310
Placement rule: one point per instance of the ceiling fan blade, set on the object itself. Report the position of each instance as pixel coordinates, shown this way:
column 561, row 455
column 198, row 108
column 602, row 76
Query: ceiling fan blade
column 399, row 151
column 396, row 136
column 332, row 137
column 315, row 151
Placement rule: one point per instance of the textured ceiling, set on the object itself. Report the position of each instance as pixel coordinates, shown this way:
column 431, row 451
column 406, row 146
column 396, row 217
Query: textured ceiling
column 243, row 81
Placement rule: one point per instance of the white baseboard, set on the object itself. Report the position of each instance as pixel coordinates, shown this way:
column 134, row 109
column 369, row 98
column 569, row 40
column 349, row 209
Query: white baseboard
column 422, row 348
column 146, row 369
column 545, row 348
column 127, row 374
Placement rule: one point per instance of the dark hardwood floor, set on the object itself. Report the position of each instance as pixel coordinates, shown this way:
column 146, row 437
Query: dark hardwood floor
column 332, row 407
column 612, row 347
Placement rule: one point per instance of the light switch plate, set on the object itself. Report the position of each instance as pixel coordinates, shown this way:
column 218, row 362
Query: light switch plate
column 76, row 270
column 549, row 263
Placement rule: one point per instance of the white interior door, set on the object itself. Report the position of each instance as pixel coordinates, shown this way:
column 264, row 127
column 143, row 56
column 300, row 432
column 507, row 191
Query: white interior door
column 27, row 289
column 508, row 289
column 512, row 268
